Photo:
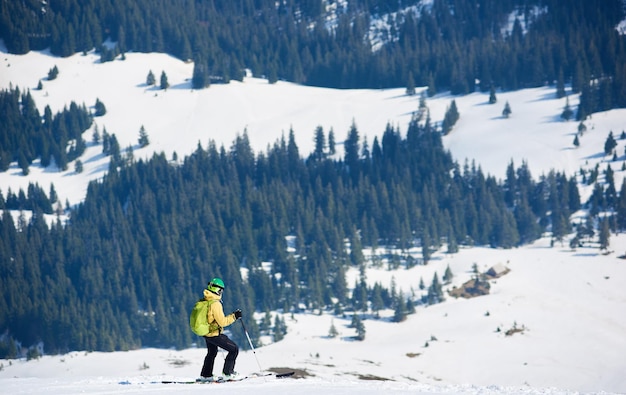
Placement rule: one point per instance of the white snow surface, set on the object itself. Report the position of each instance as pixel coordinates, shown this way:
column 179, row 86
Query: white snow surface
column 568, row 305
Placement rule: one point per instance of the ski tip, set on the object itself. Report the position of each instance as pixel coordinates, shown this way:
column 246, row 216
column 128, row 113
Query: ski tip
column 284, row 375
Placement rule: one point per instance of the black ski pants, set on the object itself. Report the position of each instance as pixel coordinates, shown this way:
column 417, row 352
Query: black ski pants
column 212, row 343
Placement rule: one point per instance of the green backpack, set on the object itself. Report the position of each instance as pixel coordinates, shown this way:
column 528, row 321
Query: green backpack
column 198, row 320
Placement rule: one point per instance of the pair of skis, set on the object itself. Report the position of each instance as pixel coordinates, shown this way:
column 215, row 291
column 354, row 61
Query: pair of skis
column 221, row 381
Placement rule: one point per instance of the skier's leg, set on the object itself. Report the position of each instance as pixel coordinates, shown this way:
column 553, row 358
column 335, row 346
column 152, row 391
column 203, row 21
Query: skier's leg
column 233, row 350
column 209, row 359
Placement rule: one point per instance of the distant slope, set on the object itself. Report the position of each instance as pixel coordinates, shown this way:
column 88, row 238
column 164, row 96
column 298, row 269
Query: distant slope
column 179, row 119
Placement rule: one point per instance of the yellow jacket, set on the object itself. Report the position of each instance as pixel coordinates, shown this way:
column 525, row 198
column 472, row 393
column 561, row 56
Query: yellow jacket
column 215, row 316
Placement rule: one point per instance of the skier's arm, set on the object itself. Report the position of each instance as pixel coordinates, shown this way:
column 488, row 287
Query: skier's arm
column 219, row 317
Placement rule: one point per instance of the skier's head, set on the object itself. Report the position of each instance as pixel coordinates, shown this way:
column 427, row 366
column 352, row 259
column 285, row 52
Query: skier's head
column 216, row 286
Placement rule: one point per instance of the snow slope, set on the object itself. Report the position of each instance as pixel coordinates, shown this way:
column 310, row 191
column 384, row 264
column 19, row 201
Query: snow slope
column 178, row 119
column 570, row 304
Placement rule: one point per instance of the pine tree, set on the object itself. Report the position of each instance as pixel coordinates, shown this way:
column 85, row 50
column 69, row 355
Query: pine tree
column 200, row 78
column 435, row 291
column 332, row 150
column 432, row 90
column 100, row 108
column 492, row 95
column 351, row 147
column 605, row 234
column 332, row 332
column 567, row 113
column 359, row 327
column 95, row 136
column 447, row 276
column 426, row 247
column 280, row 329
column 507, row 110
column 164, row 83
column 560, row 85
column 576, row 141
column 377, row 299
column 144, row 141
column 53, row 73
column 400, row 309
column 410, row 85
column 320, row 144
column 150, row 79
column 609, row 144
column 450, row 118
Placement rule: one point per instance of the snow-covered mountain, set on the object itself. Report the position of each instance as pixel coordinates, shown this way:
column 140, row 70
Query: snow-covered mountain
column 180, row 118
column 566, row 308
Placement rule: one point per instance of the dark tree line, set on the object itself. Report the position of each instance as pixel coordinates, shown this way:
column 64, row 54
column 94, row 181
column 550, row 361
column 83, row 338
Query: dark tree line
column 135, row 255
column 25, row 135
column 448, row 46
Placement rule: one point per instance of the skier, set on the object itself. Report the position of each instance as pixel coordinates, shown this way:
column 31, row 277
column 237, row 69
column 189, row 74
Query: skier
column 215, row 338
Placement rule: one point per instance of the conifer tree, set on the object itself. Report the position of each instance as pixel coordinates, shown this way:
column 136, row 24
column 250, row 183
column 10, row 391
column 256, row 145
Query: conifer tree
column 507, row 110
column 492, row 95
column 332, row 332
column 280, row 329
column 432, row 90
column 200, row 78
column 143, row 140
column 359, row 327
column 150, row 79
column 605, row 234
column 609, row 144
column 435, row 291
column 351, row 152
column 100, row 108
column 400, row 309
column 164, row 83
column 567, row 113
column 450, row 118
column 560, row 85
column 320, row 144
column 377, row 299
column 447, row 276
column 410, row 85
column 53, row 73
column 331, row 142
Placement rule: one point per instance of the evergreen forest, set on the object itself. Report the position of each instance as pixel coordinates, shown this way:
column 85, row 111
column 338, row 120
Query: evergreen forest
column 280, row 228
column 133, row 257
column 455, row 45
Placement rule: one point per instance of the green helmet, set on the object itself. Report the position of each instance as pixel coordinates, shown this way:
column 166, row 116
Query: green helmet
column 216, row 286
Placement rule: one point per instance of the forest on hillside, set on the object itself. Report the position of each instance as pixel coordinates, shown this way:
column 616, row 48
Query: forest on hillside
column 141, row 247
column 456, row 45
column 282, row 229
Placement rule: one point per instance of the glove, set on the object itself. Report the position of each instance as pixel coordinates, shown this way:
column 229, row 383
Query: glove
column 237, row 314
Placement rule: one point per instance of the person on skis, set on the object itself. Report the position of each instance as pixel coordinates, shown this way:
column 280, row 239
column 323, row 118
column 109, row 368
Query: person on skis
column 216, row 338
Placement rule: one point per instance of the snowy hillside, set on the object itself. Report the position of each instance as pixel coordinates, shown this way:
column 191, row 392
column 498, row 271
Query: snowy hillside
column 178, row 119
column 567, row 307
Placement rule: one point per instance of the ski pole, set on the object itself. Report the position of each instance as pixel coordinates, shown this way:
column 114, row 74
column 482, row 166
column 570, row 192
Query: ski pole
column 251, row 346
